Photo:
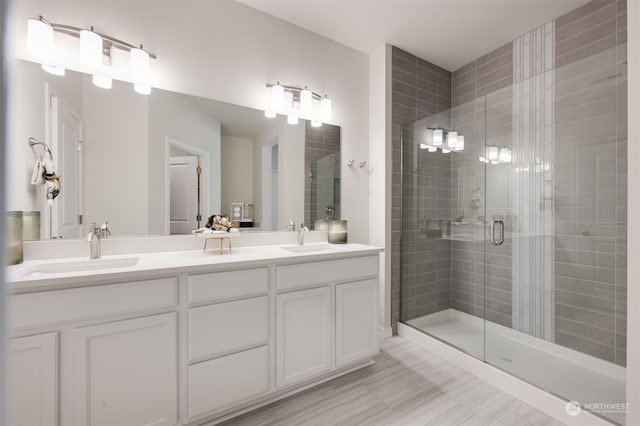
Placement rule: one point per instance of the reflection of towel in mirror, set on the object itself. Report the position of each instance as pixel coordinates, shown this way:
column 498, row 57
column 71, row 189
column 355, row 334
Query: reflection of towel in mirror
column 39, row 169
column 44, row 173
column 53, row 186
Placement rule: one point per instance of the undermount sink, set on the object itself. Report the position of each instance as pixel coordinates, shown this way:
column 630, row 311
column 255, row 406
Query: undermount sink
column 82, row 266
column 311, row 248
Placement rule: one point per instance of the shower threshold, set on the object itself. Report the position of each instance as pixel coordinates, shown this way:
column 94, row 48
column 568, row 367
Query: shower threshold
column 563, row 372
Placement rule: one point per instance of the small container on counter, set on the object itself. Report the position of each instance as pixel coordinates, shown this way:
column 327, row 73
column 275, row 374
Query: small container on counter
column 31, row 226
column 338, row 231
column 13, row 230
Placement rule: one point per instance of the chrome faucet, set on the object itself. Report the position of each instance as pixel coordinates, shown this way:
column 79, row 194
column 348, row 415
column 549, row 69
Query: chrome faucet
column 301, row 230
column 94, row 241
column 291, row 226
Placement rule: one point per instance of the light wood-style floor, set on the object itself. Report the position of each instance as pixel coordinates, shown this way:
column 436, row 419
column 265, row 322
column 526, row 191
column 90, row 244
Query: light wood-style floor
column 406, row 386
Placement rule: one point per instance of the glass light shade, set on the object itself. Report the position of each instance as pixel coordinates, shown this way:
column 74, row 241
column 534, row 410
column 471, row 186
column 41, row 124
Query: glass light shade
column 102, row 81
column 316, row 123
column 139, row 65
column 482, row 159
column 54, row 69
column 305, row 101
column 492, row 153
column 445, row 151
column 429, row 138
column 39, row 38
column 460, row 144
column 424, row 146
column 90, row 48
column 325, row 109
column 277, row 96
column 437, row 137
column 452, row 140
column 142, row 88
column 431, row 149
column 269, row 114
column 504, row 155
column 292, row 119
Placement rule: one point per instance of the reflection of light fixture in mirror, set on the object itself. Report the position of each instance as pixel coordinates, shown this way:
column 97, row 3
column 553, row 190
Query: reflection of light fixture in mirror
column 305, row 101
column 460, row 143
column 492, row 153
column 437, row 137
column 496, row 155
column 504, row 155
column 445, row 151
column 325, row 108
column 102, row 81
column 296, row 102
column 95, row 48
column 452, row 140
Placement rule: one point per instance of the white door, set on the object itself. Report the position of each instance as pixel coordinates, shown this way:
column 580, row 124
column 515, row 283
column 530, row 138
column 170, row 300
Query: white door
column 183, row 187
column 303, row 334
column 125, row 372
column 356, row 321
column 32, row 385
column 67, row 149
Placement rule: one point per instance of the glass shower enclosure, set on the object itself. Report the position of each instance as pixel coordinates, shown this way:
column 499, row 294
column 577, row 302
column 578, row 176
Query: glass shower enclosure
column 514, row 240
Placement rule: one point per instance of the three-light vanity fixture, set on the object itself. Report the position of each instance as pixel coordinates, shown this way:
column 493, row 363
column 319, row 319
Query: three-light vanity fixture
column 443, row 139
column 496, row 155
column 94, row 51
column 296, row 103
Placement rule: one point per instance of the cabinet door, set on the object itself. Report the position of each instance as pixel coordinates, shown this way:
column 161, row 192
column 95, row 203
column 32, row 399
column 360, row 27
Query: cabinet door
column 303, row 335
column 32, row 387
column 125, row 372
column 356, row 321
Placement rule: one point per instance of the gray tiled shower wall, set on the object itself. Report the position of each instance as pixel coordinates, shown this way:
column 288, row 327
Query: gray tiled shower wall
column 419, row 89
column 589, row 190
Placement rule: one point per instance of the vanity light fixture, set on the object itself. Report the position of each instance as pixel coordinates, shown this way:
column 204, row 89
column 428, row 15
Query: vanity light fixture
column 435, row 137
column 94, row 53
column 296, row 102
column 496, row 155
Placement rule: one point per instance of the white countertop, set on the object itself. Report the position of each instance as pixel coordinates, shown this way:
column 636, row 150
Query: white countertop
column 27, row 277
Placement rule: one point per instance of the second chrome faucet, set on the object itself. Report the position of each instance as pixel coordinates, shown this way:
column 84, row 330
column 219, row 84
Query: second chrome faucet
column 301, row 231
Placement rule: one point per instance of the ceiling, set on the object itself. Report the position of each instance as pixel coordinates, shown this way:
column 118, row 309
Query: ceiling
column 448, row 33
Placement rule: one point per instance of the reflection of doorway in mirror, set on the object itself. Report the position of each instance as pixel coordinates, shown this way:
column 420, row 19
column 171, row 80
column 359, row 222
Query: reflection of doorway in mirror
column 274, row 187
column 64, row 218
column 185, row 189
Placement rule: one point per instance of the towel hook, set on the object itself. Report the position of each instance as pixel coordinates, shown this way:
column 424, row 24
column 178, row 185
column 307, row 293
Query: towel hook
column 34, row 141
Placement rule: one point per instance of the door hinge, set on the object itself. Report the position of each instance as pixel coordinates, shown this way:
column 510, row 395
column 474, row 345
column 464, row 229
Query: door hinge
column 199, row 217
column 79, row 219
column 199, row 170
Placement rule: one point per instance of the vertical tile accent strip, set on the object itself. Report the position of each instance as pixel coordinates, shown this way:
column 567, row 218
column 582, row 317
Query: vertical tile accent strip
column 533, row 147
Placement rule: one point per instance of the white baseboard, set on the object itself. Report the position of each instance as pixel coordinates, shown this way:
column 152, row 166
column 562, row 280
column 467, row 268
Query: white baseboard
column 385, row 332
column 543, row 401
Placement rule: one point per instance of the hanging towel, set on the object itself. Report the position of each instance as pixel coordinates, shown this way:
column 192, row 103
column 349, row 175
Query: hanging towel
column 37, row 177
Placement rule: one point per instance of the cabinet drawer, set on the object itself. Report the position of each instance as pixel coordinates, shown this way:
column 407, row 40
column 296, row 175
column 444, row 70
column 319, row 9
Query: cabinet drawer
column 228, row 380
column 306, row 274
column 225, row 285
column 225, row 327
column 45, row 307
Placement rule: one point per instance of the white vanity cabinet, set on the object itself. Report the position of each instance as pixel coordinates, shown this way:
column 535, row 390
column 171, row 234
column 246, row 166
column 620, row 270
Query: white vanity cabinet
column 125, row 372
column 32, row 380
column 326, row 316
column 188, row 344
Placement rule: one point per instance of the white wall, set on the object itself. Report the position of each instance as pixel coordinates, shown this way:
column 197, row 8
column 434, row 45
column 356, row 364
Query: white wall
column 633, row 271
column 115, row 139
column 174, row 117
column 197, row 55
column 237, row 172
column 380, row 168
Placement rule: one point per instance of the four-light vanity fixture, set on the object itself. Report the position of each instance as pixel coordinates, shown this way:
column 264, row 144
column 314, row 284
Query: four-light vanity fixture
column 443, row 139
column 95, row 53
column 296, row 103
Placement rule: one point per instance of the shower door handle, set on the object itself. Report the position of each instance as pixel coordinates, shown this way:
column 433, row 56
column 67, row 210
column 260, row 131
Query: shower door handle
column 492, row 232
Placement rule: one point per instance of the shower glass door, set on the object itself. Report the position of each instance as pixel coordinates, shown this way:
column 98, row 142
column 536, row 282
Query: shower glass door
column 555, row 252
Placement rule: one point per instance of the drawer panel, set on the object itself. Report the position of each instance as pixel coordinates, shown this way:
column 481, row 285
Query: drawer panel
column 229, row 326
column 306, row 274
column 45, row 307
column 225, row 285
column 224, row 381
